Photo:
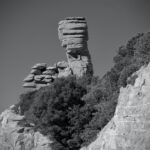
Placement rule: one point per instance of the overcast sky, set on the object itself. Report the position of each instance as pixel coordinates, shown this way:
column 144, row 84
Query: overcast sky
column 28, row 35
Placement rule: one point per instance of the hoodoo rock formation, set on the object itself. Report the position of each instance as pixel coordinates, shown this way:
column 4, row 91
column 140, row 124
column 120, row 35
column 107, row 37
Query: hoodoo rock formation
column 129, row 129
column 73, row 34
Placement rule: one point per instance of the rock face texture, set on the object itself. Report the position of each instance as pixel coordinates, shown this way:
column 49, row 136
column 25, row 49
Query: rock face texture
column 41, row 75
column 129, row 129
column 15, row 137
column 73, row 34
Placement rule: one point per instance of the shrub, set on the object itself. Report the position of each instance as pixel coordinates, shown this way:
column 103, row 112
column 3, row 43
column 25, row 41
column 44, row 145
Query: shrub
column 72, row 111
column 25, row 101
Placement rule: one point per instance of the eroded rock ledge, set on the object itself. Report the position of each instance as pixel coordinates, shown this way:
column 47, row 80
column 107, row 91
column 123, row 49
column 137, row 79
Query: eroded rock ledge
column 73, row 34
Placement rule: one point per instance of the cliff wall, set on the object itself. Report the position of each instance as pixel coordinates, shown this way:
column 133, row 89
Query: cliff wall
column 129, row 129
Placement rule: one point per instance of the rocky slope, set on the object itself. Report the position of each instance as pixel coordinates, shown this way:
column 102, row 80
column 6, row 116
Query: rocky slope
column 129, row 129
column 16, row 137
column 73, row 34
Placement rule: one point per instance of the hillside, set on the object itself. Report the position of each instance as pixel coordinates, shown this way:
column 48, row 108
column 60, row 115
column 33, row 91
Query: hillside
column 70, row 110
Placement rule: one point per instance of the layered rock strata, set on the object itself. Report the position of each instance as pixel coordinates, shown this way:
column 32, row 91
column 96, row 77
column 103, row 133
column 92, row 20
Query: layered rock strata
column 73, row 34
column 129, row 129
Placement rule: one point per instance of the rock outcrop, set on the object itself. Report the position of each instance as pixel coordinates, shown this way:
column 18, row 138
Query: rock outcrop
column 16, row 137
column 73, row 34
column 129, row 129
column 41, row 75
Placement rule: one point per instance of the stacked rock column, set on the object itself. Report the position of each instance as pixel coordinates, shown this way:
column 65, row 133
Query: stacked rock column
column 73, row 34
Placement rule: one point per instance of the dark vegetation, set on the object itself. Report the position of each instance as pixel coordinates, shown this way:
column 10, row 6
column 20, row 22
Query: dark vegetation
column 72, row 111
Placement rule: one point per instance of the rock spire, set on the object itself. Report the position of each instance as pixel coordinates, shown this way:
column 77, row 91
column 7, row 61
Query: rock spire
column 129, row 129
column 73, row 34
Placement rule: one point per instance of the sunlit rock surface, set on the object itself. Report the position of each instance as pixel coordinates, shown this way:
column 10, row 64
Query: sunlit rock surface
column 129, row 129
column 16, row 137
column 73, row 34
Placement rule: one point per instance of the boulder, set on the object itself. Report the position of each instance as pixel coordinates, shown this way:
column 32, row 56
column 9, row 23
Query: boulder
column 29, row 78
column 16, row 137
column 29, row 85
column 62, row 64
column 129, row 129
column 40, row 66
column 73, row 34
column 54, row 67
column 39, row 77
column 48, row 80
column 64, row 73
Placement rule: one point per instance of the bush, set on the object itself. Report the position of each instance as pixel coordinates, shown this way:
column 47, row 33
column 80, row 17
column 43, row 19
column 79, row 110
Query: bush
column 56, row 111
column 72, row 111
column 25, row 101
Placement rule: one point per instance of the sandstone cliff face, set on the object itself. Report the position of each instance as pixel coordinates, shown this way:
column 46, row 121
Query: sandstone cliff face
column 129, row 129
column 73, row 34
column 15, row 137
